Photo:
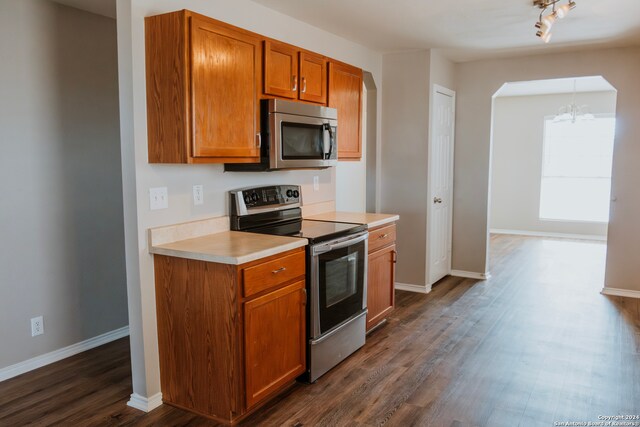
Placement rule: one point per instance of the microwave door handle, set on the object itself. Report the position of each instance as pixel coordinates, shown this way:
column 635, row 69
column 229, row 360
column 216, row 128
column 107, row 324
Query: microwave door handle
column 328, row 147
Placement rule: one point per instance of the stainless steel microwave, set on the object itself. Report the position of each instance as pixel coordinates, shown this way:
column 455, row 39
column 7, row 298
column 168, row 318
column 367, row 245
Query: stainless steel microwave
column 294, row 135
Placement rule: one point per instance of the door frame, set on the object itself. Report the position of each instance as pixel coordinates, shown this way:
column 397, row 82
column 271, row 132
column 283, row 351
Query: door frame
column 448, row 92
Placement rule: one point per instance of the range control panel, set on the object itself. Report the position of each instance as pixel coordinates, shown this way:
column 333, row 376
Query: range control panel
column 245, row 200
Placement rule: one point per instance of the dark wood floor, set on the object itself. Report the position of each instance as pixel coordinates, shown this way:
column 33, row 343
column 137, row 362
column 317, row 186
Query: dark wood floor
column 535, row 344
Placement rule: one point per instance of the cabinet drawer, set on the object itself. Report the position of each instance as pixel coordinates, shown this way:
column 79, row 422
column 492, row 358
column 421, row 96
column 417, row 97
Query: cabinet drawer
column 382, row 236
column 271, row 273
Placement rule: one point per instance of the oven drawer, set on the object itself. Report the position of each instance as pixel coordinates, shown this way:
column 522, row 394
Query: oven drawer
column 272, row 273
column 382, row 236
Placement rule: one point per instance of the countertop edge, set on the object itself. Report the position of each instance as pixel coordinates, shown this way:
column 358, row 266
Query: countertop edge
column 373, row 224
column 385, row 221
column 221, row 259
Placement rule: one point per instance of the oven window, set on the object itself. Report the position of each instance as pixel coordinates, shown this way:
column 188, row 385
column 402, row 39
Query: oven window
column 302, row 141
column 341, row 281
column 342, row 278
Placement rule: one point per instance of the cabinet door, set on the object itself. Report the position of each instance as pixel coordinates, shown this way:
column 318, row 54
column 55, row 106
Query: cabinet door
column 280, row 70
column 380, row 284
column 313, row 78
column 345, row 94
column 274, row 339
column 225, row 66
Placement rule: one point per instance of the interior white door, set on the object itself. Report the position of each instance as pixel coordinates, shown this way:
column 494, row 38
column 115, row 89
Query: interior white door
column 440, row 184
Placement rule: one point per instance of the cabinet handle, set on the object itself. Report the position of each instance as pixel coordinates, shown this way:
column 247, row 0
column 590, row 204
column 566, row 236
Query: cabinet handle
column 280, row 270
column 395, row 257
column 304, row 84
column 304, row 301
column 383, row 236
column 295, row 83
column 259, row 138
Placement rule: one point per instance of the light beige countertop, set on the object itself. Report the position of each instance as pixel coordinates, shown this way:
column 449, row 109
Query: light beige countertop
column 372, row 220
column 229, row 247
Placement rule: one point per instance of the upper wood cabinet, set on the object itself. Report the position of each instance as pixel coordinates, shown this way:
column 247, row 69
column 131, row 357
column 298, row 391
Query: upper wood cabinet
column 205, row 79
column 313, row 78
column 202, row 90
column 294, row 74
column 280, row 70
column 345, row 94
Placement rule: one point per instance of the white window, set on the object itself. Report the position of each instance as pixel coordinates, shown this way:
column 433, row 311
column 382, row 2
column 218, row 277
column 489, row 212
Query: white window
column 576, row 169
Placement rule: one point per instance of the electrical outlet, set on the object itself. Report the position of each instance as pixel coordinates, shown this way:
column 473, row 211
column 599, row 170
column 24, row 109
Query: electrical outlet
column 158, row 198
column 198, row 194
column 37, row 326
column 316, row 183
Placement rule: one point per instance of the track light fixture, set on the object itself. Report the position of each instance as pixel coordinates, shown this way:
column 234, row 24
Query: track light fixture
column 551, row 11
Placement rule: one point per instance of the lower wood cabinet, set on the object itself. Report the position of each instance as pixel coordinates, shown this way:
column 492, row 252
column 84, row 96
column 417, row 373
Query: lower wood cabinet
column 274, row 334
column 223, row 354
column 381, row 275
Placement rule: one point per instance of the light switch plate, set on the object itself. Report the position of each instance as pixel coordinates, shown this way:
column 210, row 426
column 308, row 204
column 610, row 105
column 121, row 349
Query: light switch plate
column 316, row 183
column 158, row 198
column 198, row 194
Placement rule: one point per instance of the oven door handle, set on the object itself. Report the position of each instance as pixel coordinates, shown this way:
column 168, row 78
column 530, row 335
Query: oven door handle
column 338, row 244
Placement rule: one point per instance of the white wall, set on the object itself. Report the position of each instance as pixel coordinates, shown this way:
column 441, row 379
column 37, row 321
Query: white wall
column 477, row 82
column 518, row 134
column 139, row 176
column 61, row 210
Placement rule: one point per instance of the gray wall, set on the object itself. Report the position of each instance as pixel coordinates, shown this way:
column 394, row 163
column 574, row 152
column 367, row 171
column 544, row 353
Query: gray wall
column 477, row 82
column 408, row 79
column 62, row 252
column 518, row 135
column 405, row 132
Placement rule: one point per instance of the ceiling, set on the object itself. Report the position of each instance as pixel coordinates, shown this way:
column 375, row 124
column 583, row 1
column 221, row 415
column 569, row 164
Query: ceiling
column 466, row 29
column 554, row 86
column 99, row 7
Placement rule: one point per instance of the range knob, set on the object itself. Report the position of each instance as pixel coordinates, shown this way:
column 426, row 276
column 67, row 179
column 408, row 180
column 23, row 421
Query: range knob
column 296, row 193
column 247, row 198
column 289, row 193
column 254, row 197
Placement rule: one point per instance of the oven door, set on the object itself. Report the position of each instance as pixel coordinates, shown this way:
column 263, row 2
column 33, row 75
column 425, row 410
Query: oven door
column 338, row 282
column 302, row 142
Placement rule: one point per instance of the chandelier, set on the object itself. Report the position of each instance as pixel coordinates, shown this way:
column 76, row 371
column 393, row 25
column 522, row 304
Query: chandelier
column 572, row 112
column 551, row 11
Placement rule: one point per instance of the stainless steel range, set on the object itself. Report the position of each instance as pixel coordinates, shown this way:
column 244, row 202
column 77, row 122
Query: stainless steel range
column 336, row 269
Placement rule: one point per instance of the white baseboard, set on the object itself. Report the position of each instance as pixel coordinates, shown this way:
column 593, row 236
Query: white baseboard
column 471, row 274
column 549, row 234
column 145, row 404
column 56, row 355
column 413, row 288
column 620, row 292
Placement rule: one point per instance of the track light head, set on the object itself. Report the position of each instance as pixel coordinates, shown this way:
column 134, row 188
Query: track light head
column 544, row 35
column 545, row 22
